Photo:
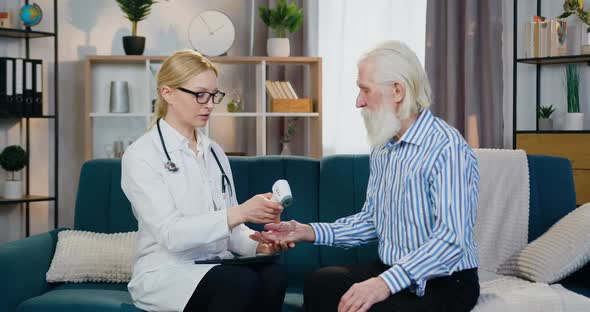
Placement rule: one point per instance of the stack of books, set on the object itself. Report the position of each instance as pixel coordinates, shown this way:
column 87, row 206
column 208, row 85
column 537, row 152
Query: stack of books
column 280, row 90
column 284, row 99
column 545, row 37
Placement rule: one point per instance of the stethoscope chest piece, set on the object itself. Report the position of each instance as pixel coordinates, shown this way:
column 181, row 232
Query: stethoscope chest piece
column 171, row 166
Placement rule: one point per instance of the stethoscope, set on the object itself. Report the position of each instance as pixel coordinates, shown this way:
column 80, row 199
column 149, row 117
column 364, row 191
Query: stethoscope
column 171, row 166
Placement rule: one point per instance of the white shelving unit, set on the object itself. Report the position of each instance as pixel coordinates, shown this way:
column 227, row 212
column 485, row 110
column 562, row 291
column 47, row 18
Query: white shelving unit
column 103, row 127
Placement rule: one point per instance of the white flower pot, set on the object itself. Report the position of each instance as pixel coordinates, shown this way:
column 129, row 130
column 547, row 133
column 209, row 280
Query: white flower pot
column 278, row 47
column 573, row 121
column 545, row 124
column 13, row 189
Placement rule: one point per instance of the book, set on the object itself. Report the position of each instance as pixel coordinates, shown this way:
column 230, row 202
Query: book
column 291, row 90
column 271, row 89
column 279, row 89
column 286, row 90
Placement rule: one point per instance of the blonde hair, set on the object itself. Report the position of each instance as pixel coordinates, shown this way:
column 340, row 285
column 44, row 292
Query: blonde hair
column 395, row 61
column 175, row 71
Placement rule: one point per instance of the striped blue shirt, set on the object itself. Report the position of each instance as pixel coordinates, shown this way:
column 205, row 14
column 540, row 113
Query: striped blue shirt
column 421, row 205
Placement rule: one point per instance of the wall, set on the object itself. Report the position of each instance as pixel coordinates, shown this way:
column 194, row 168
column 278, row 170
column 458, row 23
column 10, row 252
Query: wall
column 96, row 27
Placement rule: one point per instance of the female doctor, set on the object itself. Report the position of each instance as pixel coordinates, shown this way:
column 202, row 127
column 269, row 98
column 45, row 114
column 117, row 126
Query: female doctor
column 180, row 185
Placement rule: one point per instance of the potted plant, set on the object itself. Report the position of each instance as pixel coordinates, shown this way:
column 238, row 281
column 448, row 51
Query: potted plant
column 284, row 17
column 288, row 135
column 135, row 11
column 13, row 159
column 574, row 120
column 544, row 115
column 571, row 7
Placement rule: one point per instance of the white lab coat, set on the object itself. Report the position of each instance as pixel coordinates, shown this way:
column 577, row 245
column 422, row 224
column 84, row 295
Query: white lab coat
column 181, row 216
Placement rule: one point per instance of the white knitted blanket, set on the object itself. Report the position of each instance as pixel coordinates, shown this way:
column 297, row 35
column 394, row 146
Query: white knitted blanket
column 511, row 294
column 502, row 224
column 501, row 229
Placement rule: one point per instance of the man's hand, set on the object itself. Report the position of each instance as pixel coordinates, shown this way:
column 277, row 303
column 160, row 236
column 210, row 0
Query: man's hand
column 362, row 296
column 285, row 232
column 273, row 248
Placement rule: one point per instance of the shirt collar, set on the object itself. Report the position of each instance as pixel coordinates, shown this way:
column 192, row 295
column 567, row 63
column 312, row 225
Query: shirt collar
column 417, row 131
column 175, row 141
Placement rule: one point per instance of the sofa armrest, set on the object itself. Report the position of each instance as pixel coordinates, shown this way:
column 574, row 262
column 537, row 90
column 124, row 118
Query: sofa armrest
column 23, row 266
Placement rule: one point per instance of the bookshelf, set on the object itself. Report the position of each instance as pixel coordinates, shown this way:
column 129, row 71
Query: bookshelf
column 103, row 127
column 25, row 122
column 573, row 145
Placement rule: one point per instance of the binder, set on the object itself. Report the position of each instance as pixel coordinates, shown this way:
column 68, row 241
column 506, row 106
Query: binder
column 38, row 88
column 28, row 92
column 6, row 85
column 16, row 108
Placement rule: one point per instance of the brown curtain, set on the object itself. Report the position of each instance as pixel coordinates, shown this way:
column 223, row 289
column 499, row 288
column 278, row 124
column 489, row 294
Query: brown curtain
column 464, row 64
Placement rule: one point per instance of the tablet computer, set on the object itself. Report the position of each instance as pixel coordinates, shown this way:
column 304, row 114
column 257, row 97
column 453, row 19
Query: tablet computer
column 242, row 259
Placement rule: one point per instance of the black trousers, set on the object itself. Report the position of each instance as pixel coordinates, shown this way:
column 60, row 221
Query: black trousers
column 235, row 288
column 455, row 293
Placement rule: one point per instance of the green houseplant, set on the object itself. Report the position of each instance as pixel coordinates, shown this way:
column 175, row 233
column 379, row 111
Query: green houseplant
column 135, row 11
column 576, row 7
column 574, row 119
column 544, row 115
column 285, row 17
column 13, row 159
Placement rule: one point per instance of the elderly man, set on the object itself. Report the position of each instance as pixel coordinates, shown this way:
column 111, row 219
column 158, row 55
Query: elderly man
column 421, row 203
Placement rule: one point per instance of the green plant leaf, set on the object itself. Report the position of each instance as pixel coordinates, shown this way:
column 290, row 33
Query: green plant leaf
column 13, row 158
column 284, row 17
column 566, row 14
column 264, row 13
column 136, row 10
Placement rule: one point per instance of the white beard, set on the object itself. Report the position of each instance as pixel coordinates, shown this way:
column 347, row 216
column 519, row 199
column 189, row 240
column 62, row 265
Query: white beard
column 382, row 125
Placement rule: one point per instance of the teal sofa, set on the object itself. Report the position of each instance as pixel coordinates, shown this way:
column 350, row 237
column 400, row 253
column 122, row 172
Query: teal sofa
column 324, row 190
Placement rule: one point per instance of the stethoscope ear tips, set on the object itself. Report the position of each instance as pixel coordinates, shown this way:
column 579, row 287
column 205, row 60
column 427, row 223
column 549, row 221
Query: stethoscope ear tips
column 171, row 166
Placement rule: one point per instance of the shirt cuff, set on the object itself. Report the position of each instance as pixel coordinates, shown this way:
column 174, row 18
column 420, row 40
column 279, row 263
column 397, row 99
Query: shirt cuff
column 396, row 278
column 324, row 235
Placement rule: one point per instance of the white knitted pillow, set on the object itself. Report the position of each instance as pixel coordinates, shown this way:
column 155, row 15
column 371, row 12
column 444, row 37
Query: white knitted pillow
column 82, row 256
column 562, row 250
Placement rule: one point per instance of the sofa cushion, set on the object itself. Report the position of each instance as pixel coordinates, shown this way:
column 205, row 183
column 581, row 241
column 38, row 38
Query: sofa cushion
column 101, row 205
column 343, row 189
column 552, row 192
column 562, row 250
column 83, row 256
column 79, row 300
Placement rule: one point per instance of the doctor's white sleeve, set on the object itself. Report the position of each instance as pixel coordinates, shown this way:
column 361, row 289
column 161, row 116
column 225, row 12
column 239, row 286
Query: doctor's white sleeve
column 154, row 208
column 240, row 241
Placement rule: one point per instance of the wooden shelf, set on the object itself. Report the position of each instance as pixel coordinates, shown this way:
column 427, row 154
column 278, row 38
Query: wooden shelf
column 217, row 59
column 553, row 131
column 224, row 114
column 553, row 60
column 26, row 199
column 137, row 69
column 22, row 33
column 119, row 115
column 292, row 114
column 30, row 117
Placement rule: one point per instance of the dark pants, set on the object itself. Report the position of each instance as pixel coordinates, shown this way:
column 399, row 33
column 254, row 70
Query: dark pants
column 253, row 287
column 457, row 292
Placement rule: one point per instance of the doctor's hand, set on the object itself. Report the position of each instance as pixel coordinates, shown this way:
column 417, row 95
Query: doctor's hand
column 362, row 296
column 285, row 232
column 258, row 209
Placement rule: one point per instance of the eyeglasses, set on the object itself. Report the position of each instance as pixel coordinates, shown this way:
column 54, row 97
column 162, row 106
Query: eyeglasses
column 204, row 96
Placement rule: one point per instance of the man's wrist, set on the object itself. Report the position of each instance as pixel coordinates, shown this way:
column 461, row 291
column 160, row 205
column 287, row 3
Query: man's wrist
column 309, row 233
